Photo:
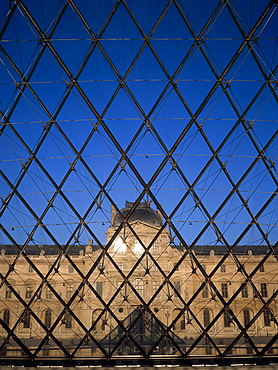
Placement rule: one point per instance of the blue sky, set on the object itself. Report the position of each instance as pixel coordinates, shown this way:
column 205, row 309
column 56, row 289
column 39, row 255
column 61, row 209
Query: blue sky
column 165, row 82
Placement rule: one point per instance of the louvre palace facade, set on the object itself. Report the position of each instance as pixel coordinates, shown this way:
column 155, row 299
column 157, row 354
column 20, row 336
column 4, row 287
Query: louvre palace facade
column 138, row 294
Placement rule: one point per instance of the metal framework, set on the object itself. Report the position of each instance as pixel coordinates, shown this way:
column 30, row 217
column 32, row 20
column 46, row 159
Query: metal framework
column 167, row 102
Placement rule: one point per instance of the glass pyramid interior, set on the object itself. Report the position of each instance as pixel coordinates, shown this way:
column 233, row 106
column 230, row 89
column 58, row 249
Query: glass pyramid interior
column 138, row 182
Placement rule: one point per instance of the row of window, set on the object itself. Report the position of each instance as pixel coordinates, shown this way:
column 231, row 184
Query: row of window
column 244, row 290
column 26, row 320
column 139, row 286
column 154, row 250
column 246, row 317
column 207, row 316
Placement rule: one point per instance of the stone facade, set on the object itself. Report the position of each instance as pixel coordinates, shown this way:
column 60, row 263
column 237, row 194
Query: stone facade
column 181, row 295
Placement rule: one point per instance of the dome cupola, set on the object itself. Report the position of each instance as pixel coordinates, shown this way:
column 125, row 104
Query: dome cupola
column 143, row 212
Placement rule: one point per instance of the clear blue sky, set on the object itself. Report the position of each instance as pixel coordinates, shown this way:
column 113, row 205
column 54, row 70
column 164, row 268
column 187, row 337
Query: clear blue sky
column 172, row 54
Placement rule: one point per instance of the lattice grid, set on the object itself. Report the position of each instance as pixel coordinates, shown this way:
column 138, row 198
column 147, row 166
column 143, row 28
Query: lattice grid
column 166, row 104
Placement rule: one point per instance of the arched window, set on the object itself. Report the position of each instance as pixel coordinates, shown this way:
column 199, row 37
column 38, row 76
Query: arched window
column 139, row 286
column 6, row 317
column 47, row 318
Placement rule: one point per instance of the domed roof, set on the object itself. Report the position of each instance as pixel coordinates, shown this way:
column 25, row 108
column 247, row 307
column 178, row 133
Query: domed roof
column 143, row 212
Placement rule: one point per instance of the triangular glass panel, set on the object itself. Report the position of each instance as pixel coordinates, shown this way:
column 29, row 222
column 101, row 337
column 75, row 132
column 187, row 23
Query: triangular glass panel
column 192, row 14
column 44, row 14
column 195, row 79
column 96, row 20
column 64, row 39
column 28, row 111
column 7, row 88
column 71, row 126
column 147, row 93
column 267, row 133
column 147, row 163
column 122, row 56
column 221, row 31
column 208, row 187
column 178, row 33
column 35, row 188
column 221, row 129
column 248, row 15
column 244, row 71
column 149, row 19
column 25, row 53
column 98, row 80
column 218, row 105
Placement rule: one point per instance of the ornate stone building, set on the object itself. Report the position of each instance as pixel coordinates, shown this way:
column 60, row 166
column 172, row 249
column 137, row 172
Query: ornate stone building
column 124, row 297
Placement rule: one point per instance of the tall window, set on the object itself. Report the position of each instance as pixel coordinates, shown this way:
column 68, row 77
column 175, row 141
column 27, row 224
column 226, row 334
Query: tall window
column 29, row 291
column 30, row 269
column 206, row 314
column 69, row 291
column 227, row 318
column 177, row 286
column 224, row 290
column 26, row 319
column 48, row 294
column 244, row 292
column 262, row 268
column 267, row 317
column 155, row 286
column 154, row 248
column 6, row 317
column 121, row 265
column 99, row 288
column 205, row 291
column 223, row 268
column 139, row 286
column 246, row 317
column 264, row 289
column 68, row 320
column 71, row 269
column 47, row 318
column 8, row 292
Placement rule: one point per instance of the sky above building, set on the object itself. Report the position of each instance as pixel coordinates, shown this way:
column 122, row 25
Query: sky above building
column 170, row 102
